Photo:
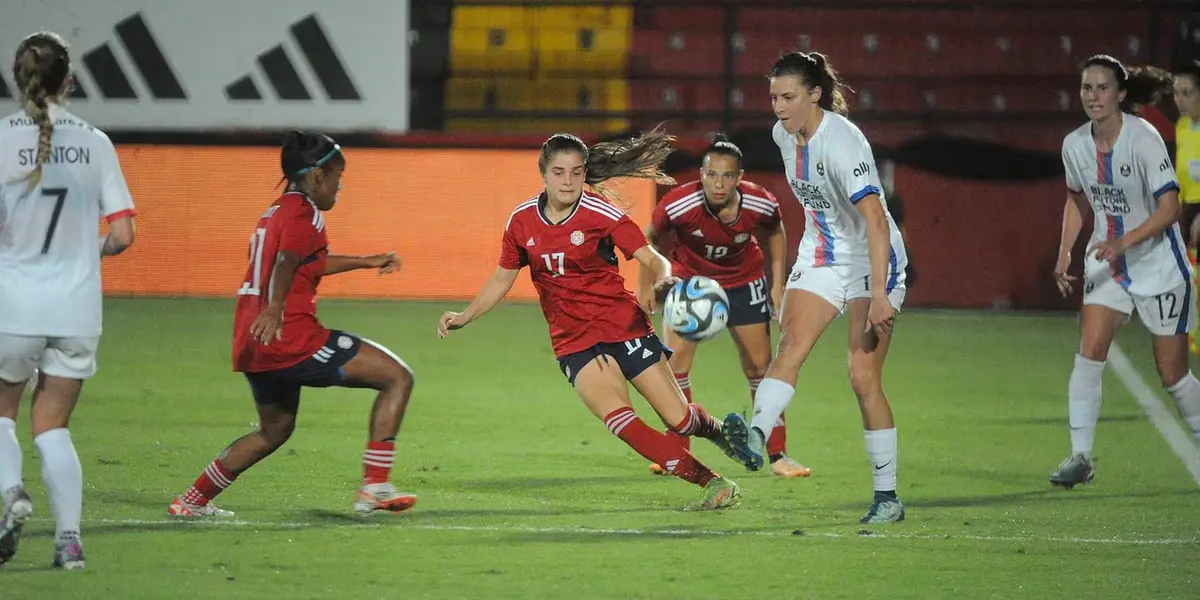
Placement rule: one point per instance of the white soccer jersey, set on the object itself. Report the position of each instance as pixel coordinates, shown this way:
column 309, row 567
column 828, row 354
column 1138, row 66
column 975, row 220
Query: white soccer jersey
column 829, row 175
column 50, row 236
column 1123, row 187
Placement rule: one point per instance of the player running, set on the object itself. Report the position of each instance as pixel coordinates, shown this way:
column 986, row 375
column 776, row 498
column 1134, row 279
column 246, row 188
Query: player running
column 601, row 334
column 851, row 260
column 1118, row 165
column 715, row 223
column 58, row 177
column 281, row 347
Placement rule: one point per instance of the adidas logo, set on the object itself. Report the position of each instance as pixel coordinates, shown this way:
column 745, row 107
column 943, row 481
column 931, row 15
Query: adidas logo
column 647, row 353
column 530, row 242
column 110, row 76
column 698, row 233
column 281, row 73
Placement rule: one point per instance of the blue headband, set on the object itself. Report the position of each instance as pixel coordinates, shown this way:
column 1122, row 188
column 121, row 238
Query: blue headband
column 324, row 159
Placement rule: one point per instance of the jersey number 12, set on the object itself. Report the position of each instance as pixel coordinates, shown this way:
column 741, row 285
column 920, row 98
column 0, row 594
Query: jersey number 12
column 252, row 287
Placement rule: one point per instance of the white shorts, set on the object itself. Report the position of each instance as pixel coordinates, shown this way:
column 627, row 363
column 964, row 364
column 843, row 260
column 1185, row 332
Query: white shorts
column 840, row 284
column 1169, row 313
column 69, row 358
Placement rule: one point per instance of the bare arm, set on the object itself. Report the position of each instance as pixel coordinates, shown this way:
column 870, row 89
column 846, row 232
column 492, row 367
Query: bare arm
column 777, row 248
column 654, row 264
column 1072, row 223
column 485, row 300
column 269, row 323
column 879, row 246
column 646, row 275
column 1164, row 215
column 339, row 263
column 121, row 234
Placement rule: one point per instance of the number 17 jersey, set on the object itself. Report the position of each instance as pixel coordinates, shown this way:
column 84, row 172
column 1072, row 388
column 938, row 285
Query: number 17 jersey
column 292, row 224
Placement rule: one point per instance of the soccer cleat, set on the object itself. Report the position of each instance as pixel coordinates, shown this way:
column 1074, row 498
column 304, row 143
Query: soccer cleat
column 179, row 508
column 1072, row 471
column 383, row 496
column 656, row 469
column 885, row 509
column 787, row 466
column 17, row 508
column 746, row 443
column 69, row 554
column 719, row 493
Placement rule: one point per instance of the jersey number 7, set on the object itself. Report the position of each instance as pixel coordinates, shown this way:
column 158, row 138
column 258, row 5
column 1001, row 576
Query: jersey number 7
column 60, row 196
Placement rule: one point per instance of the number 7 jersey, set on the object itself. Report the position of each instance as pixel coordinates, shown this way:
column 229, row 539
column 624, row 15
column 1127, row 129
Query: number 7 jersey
column 292, row 224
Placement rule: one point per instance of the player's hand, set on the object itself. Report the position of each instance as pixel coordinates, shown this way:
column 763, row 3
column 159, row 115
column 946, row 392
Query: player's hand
column 881, row 316
column 1062, row 278
column 666, row 282
column 647, row 298
column 776, row 301
column 450, row 321
column 1110, row 250
column 387, row 262
column 268, row 325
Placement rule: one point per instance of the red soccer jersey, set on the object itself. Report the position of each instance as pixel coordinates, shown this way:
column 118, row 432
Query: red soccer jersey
column 573, row 265
column 726, row 252
column 292, row 224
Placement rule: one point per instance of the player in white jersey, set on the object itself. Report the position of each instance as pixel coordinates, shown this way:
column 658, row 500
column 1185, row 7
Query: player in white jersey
column 851, row 260
column 58, row 177
column 1118, row 167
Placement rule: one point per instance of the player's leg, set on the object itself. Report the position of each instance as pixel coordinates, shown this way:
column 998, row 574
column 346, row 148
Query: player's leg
column 867, row 354
column 600, row 382
column 1105, row 307
column 375, row 367
column 277, row 401
column 1169, row 316
column 684, row 352
column 753, row 342
column 18, row 362
column 65, row 365
column 813, row 299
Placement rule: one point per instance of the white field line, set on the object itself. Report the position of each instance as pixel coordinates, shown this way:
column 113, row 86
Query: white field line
column 1179, row 440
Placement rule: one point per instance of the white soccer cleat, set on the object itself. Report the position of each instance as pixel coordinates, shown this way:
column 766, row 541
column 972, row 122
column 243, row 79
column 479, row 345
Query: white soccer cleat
column 179, row 508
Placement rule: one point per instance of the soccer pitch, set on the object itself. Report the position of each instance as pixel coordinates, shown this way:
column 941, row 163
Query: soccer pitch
column 524, row 495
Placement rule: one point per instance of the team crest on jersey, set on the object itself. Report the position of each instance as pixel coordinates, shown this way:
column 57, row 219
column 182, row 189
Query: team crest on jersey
column 820, row 168
column 577, row 237
column 741, row 238
column 344, row 342
column 1125, row 170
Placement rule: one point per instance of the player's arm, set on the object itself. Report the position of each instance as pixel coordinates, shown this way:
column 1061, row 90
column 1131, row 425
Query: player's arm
column 1072, row 223
column 659, row 222
column 879, row 244
column 387, row 262
column 116, row 204
column 269, row 323
column 512, row 257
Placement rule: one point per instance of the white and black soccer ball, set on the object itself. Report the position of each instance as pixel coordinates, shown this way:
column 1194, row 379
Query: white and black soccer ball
column 696, row 309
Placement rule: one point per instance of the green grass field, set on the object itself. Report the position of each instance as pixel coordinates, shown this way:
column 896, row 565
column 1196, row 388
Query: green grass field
column 525, row 495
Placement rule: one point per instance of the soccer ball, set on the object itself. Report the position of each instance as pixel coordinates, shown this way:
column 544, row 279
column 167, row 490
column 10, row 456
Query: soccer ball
column 696, row 309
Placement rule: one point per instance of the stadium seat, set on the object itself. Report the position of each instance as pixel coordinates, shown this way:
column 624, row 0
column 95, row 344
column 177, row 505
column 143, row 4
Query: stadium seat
column 491, row 51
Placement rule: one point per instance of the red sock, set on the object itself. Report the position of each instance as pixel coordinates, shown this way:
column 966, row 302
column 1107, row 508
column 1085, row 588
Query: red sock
column 698, row 423
column 685, row 384
column 777, row 441
column 211, row 482
column 656, row 447
column 377, row 461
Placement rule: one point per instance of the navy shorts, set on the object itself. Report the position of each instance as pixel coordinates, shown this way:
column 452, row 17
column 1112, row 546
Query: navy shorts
column 322, row 369
column 749, row 304
column 633, row 356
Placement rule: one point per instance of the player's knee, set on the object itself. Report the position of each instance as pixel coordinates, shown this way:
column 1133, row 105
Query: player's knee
column 864, row 380
column 1093, row 350
column 401, row 377
column 278, row 433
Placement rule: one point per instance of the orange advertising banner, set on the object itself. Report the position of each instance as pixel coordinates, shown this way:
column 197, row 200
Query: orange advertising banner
column 442, row 211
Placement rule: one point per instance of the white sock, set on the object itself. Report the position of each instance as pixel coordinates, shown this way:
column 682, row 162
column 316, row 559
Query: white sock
column 10, row 455
column 1083, row 403
column 770, row 400
column 1186, row 393
column 881, row 448
column 64, row 480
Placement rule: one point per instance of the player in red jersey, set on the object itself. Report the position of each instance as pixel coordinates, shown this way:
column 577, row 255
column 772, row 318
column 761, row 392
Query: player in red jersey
column 281, row 347
column 714, row 222
column 601, row 333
